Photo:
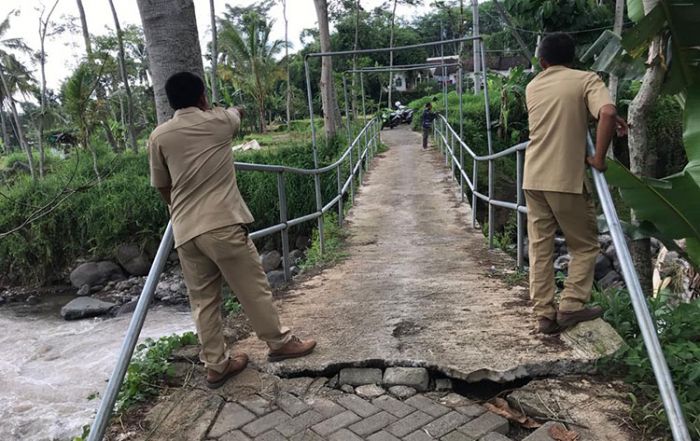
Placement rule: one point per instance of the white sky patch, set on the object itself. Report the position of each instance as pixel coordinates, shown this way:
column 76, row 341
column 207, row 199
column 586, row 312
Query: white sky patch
column 65, row 51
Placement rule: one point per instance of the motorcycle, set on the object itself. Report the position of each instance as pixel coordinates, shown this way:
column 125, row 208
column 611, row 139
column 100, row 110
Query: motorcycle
column 390, row 118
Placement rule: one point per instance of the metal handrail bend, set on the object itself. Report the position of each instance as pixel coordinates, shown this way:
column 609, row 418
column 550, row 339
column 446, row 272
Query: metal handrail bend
column 368, row 138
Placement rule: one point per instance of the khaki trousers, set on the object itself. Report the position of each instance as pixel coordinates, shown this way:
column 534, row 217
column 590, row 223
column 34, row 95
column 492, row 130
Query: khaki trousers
column 575, row 214
column 230, row 253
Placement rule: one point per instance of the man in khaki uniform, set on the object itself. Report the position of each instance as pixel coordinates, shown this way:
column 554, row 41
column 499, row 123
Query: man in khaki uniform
column 192, row 167
column 560, row 101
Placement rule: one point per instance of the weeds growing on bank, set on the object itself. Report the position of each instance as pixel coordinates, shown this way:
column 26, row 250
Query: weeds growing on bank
column 677, row 328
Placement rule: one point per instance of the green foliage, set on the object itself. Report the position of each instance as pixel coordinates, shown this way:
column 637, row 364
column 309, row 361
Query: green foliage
column 84, row 435
column 333, row 237
column 678, row 333
column 148, row 367
column 231, row 305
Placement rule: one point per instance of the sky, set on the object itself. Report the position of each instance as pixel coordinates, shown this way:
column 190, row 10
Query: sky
column 65, row 51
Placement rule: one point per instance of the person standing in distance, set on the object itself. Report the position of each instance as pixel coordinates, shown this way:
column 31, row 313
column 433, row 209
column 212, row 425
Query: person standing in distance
column 191, row 164
column 560, row 101
column 427, row 122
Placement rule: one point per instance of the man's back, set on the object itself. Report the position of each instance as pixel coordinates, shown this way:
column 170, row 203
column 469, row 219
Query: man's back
column 191, row 153
column 559, row 102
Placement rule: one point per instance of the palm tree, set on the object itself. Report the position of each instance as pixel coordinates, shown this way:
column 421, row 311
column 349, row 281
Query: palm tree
column 248, row 50
column 12, row 76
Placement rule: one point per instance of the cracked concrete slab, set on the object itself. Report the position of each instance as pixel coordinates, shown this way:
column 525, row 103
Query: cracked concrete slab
column 417, row 288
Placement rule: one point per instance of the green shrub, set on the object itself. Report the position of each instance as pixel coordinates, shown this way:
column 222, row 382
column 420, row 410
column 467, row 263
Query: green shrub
column 677, row 328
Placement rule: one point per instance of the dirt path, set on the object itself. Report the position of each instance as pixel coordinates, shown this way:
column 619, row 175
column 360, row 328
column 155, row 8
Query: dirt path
column 417, row 288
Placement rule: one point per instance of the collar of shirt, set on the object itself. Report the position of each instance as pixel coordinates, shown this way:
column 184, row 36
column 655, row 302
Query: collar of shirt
column 186, row 110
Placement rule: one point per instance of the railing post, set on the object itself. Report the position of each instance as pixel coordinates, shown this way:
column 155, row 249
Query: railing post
column 104, row 411
column 352, row 177
column 340, row 193
column 462, row 171
column 360, row 156
column 519, row 202
column 674, row 412
column 282, row 194
column 347, row 108
column 362, row 91
column 452, row 152
column 475, row 199
column 319, row 209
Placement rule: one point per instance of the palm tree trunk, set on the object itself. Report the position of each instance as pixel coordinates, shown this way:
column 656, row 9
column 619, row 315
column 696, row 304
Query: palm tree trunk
column 329, row 100
column 353, row 85
column 43, row 28
column 172, row 43
column 125, row 78
column 614, row 80
column 84, row 26
column 5, row 134
column 642, row 154
column 18, row 124
column 214, row 56
column 286, row 57
column 391, row 54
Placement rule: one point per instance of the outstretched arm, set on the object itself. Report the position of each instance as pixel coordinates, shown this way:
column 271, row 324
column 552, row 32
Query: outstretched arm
column 607, row 122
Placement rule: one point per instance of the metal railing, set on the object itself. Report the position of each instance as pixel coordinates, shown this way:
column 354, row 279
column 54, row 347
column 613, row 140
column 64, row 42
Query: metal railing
column 449, row 141
column 356, row 157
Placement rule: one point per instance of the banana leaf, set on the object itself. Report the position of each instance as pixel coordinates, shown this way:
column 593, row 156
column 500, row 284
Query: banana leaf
column 672, row 204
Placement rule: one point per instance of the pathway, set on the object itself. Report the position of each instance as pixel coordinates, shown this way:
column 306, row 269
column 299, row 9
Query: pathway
column 418, row 289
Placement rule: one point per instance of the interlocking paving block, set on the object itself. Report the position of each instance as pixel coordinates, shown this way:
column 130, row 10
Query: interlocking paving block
column 325, row 407
column 272, row 435
column 263, row 424
column 445, row 424
column 358, row 405
column 542, row 434
column 337, row 422
column 372, row 424
column 258, row 405
column 297, row 386
column 383, row 436
column 360, row 376
column 300, row 422
column 494, row 436
column 488, row 422
column 427, row 405
column 456, row 435
column 232, row 416
column 393, row 406
column 236, row 435
column 306, row 435
column 418, row 435
column 344, row 435
column 471, row 410
column 418, row 378
column 402, row 392
column 291, row 404
column 409, row 423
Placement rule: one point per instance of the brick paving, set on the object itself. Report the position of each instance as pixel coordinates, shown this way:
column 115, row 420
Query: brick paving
column 305, row 413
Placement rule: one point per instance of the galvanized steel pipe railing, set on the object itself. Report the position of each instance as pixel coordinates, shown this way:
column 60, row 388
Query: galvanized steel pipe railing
column 366, row 141
column 664, row 381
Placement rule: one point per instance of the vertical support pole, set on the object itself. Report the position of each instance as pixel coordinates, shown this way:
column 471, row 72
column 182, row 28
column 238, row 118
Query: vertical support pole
column 475, row 46
column 311, row 110
column 104, row 411
column 360, row 155
column 340, row 193
column 352, row 176
column 282, row 194
column 451, row 138
column 475, row 199
column 519, row 202
column 489, row 139
column 319, row 209
column 347, row 108
column 362, row 91
column 461, row 111
column 444, row 80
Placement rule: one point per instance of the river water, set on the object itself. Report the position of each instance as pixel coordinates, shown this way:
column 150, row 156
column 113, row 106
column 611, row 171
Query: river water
column 49, row 367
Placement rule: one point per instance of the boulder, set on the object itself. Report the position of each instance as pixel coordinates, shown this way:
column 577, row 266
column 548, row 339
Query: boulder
column 302, row 242
column 417, row 378
column 84, row 290
column 95, row 273
column 276, row 279
column 271, row 260
column 296, row 256
column 605, row 241
column 562, row 263
column 603, row 266
column 133, row 259
column 369, row 391
column 609, row 279
column 84, row 307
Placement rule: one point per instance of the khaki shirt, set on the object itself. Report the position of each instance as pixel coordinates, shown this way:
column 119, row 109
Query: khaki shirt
column 559, row 102
column 191, row 154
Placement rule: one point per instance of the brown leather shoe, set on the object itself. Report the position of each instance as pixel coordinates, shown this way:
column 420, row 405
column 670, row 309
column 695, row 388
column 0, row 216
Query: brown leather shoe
column 546, row 325
column 294, row 348
column 235, row 366
column 567, row 319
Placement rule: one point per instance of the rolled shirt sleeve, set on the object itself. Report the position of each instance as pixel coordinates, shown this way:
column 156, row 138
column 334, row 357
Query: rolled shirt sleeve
column 160, row 176
column 595, row 94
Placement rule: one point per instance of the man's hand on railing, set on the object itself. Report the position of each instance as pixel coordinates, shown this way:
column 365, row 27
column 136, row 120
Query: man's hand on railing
column 597, row 163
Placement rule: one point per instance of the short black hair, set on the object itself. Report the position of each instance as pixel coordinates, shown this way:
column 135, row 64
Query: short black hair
column 428, row 105
column 557, row 49
column 184, row 90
